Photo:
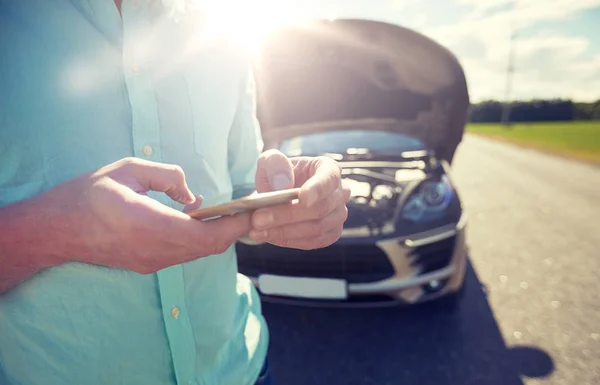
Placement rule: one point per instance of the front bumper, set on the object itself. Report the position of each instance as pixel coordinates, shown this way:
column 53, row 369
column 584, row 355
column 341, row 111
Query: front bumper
column 409, row 284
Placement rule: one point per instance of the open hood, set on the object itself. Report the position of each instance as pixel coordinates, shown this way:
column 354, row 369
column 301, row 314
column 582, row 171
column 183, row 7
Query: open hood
column 339, row 74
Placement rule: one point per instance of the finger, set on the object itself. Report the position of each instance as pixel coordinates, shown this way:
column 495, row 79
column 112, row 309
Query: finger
column 193, row 206
column 167, row 178
column 302, row 230
column 274, row 172
column 295, row 212
column 325, row 179
column 319, row 242
column 200, row 238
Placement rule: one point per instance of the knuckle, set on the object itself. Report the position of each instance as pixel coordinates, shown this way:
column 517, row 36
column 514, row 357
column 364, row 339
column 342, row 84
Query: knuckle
column 335, row 177
column 129, row 162
column 176, row 169
column 326, row 159
column 336, row 167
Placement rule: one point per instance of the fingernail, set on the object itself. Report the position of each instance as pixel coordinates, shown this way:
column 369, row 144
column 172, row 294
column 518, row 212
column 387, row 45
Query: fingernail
column 263, row 219
column 311, row 198
column 280, row 182
column 186, row 200
column 258, row 235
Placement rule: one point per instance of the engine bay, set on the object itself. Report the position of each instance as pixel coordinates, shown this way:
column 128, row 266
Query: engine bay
column 375, row 194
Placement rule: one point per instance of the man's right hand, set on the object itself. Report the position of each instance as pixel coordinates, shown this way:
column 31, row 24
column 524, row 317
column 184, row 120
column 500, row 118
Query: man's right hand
column 107, row 219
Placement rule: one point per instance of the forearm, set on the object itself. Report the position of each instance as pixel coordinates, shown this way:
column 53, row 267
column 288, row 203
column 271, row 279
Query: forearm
column 29, row 242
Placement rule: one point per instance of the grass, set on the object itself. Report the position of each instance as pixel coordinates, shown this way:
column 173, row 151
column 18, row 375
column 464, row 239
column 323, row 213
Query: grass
column 578, row 140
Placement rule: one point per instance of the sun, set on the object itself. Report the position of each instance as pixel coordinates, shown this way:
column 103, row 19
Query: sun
column 250, row 21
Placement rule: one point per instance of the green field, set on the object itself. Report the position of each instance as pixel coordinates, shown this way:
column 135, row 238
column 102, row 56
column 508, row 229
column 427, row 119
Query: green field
column 580, row 140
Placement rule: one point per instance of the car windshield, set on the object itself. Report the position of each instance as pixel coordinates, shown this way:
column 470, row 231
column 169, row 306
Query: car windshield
column 338, row 142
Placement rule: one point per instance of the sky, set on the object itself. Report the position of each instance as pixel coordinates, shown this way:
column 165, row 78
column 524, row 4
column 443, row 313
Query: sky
column 557, row 43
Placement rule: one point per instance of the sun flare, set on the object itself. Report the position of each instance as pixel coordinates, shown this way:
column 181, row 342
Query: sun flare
column 252, row 20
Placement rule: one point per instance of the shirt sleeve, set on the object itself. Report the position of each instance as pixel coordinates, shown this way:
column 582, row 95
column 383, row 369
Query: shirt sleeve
column 245, row 141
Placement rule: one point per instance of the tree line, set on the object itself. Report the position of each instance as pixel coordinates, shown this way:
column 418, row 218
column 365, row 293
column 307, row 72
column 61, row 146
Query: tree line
column 535, row 111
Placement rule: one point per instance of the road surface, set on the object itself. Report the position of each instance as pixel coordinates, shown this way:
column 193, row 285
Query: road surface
column 531, row 314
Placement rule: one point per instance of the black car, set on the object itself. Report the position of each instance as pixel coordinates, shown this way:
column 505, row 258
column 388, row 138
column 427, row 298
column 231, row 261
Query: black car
column 390, row 105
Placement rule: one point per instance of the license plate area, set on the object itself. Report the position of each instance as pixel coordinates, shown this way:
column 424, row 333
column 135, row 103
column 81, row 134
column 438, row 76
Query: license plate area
column 303, row 287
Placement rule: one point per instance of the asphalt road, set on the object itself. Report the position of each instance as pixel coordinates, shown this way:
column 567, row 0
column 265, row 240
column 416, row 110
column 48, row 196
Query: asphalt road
column 531, row 314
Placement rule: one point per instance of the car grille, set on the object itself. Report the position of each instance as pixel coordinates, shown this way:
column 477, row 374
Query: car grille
column 434, row 256
column 354, row 263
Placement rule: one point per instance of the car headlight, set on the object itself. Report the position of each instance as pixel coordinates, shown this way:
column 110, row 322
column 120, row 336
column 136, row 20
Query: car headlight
column 429, row 200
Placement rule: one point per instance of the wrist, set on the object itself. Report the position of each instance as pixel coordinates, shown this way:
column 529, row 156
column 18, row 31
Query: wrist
column 32, row 234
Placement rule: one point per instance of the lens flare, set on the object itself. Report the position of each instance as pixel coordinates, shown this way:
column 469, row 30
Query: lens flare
column 250, row 21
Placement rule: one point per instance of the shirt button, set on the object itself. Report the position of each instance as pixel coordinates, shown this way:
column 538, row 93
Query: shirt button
column 147, row 150
column 135, row 68
column 175, row 312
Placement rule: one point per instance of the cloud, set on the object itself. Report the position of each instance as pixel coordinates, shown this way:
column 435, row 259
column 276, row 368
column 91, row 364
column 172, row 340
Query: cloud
column 522, row 12
column 547, row 67
column 548, row 64
column 555, row 66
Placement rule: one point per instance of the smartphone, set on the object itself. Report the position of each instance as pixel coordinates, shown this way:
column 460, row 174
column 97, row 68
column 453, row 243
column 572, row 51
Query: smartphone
column 251, row 202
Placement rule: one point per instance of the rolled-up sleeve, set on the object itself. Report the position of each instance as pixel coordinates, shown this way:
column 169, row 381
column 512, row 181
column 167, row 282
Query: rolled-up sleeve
column 244, row 142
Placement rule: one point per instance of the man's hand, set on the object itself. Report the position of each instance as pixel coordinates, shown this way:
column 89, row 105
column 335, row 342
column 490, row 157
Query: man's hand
column 107, row 219
column 317, row 220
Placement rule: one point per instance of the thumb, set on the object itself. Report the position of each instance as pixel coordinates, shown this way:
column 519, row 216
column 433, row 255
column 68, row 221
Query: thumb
column 227, row 229
column 274, row 172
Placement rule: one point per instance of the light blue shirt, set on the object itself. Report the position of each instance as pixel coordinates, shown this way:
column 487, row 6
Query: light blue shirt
column 81, row 87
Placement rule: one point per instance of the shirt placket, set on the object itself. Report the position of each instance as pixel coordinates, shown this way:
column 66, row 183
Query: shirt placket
column 146, row 145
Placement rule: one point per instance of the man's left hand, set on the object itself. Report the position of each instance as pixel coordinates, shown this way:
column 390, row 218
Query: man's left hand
column 317, row 219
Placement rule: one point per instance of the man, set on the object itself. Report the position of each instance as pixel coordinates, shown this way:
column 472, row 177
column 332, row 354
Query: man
column 114, row 119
